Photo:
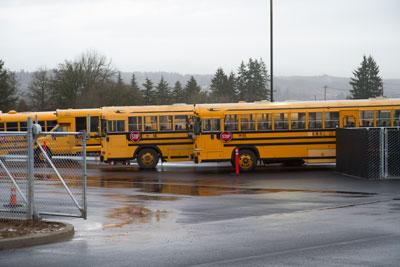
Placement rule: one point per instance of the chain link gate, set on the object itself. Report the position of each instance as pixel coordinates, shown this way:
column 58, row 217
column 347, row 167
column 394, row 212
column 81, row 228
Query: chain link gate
column 40, row 175
column 373, row 153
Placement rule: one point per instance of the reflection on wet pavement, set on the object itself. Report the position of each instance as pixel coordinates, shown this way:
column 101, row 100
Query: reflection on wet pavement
column 133, row 214
column 205, row 187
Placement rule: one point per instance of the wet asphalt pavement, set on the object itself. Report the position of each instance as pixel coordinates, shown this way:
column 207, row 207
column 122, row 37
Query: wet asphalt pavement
column 185, row 216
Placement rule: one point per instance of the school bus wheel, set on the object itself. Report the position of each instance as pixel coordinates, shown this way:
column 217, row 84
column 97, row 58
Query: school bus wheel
column 148, row 158
column 247, row 160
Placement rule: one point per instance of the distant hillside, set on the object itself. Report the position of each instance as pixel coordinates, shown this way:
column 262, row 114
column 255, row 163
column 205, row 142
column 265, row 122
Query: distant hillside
column 287, row 87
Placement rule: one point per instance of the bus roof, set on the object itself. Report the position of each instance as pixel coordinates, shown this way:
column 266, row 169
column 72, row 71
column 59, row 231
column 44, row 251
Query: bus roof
column 23, row 116
column 148, row 109
column 242, row 106
column 78, row 112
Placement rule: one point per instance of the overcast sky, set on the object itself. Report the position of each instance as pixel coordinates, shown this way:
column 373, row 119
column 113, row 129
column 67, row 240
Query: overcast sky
column 312, row 37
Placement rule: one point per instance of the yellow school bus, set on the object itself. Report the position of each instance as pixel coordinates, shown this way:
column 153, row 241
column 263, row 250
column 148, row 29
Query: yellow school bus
column 75, row 120
column 283, row 132
column 16, row 121
column 147, row 134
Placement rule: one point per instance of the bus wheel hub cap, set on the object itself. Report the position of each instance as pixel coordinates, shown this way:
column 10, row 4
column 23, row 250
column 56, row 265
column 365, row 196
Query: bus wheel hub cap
column 148, row 158
column 245, row 161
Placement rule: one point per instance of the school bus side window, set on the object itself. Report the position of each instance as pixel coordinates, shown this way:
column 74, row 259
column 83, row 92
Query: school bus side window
column 116, row 126
column 383, row 118
column 264, row 122
column 12, row 126
column 51, row 125
column 150, row 123
column 42, row 123
column 135, row 123
column 80, row 124
column 165, row 123
column 110, row 126
column 298, row 120
column 94, row 124
column 1, row 126
column 247, row 122
column 180, row 123
column 315, row 120
column 281, row 121
column 331, row 120
column 231, row 122
column 396, row 119
column 22, row 126
column 367, row 118
column 62, row 128
column 211, row 125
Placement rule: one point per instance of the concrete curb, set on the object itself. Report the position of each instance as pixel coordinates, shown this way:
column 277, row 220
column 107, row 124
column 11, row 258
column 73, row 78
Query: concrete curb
column 38, row 239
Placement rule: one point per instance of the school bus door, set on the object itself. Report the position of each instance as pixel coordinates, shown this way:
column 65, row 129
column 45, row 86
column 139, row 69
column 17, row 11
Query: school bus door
column 211, row 138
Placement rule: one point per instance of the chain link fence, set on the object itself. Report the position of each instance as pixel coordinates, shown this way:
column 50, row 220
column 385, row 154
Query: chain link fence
column 13, row 175
column 42, row 175
column 372, row 153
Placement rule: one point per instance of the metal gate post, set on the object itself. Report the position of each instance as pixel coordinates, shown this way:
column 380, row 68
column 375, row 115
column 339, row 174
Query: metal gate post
column 381, row 154
column 386, row 153
column 84, row 178
column 31, row 213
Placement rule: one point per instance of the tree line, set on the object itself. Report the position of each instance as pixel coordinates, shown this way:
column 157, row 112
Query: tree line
column 91, row 81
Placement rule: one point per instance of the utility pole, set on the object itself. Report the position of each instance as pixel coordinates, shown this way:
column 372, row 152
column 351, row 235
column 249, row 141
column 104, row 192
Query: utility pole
column 325, row 87
column 271, row 49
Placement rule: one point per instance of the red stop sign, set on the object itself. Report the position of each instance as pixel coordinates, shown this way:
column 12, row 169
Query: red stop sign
column 134, row 136
column 226, row 136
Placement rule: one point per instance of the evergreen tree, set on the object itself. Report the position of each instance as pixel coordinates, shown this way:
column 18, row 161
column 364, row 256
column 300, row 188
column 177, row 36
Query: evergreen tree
column 192, row 91
column 366, row 82
column 162, row 92
column 135, row 94
column 120, row 82
column 218, row 86
column 178, row 95
column 118, row 93
column 231, row 87
column 39, row 90
column 223, row 87
column 148, row 93
column 252, row 81
column 8, row 89
column 241, row 82
column 133, row 81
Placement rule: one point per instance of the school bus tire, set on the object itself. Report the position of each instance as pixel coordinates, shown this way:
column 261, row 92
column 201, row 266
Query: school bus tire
column 147, row 158
column 247, row 160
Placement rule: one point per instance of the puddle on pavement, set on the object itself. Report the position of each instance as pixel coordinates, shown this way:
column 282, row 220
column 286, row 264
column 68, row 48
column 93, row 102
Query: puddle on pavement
column 134, row 214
